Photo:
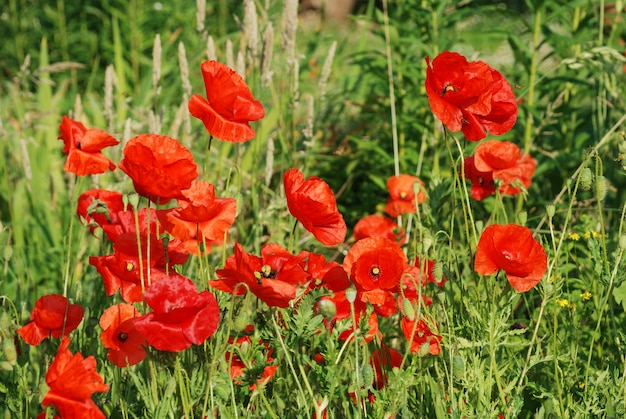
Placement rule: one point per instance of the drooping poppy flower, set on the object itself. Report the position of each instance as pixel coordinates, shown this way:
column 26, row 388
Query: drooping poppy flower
column 121, row 270
column 420, row 334
column 375, row 265
column 383, row 360
column 229, row 107
column 329, row 275
column 52, row 316
column 99, row 207
column 513, row 249
column 376, row 225
column 121, row 337
column 160, row 167
column 402, row 195
column 72, row 380
column 469, row 96
column 201, row 218
column 84, row 148
column 483, row 184
column 180, row 317
column 505, row 162
column 313, row 203
column 277, row 277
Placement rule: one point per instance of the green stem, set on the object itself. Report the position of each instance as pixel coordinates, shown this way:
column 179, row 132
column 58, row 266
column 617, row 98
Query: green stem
column 530, row 100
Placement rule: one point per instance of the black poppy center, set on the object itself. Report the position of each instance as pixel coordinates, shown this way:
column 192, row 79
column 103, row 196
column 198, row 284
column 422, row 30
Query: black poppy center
column 266, row 272
column 122, row 336
column 375, row 271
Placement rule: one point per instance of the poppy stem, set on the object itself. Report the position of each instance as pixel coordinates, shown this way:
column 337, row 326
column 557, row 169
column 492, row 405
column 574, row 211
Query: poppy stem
column 292, row 236
column 68, row 238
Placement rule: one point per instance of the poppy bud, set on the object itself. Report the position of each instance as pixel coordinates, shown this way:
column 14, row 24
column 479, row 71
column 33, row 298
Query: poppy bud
column 480, row 226
column 424, row 349
column 426, row 244
column 351, row 294
column 586, row 177
column 327, row 308
column 600, row 187
column 8, row 349
column 133, row 199
column 241, row 321
column 5, row 366
column 407, row 309
column 522, row 217
column 5, row 322
column 622, row 242
column 367, row 373
column 438, row 272
column 550, row 209
column 7, row 252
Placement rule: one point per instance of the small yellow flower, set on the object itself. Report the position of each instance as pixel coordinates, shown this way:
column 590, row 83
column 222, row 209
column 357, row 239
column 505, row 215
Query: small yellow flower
column 596, row 235
column 562, row 302
column 585, row 296
column 571, row 306
column 574, row 236
column 587, row 235
column 581, row 385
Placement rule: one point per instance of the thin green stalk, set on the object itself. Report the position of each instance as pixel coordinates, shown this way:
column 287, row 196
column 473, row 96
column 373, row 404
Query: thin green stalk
column 532, row 80
column 185, row 397
column 69, row 237
column 392, row 95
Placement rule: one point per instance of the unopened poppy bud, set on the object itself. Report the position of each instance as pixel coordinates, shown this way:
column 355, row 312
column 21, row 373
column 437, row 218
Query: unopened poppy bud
column 426, row 244
column 424, row 349
column 327, row 308
column 5, row 366
column 133, row 199
column 480, row 226
column 351, row 294
column 367, row 373
column 407, row 309
column 8, row 349
column 586, row 177
column 550, row 209
column 622, row 242
column 241, row 321
column 7, row 253
column 125, row 201
column 438, row 271
column 522, row 217
column 600, row 188
column 5, row 322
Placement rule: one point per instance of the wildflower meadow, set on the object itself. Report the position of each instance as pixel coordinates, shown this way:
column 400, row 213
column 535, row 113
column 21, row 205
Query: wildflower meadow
column 244, row 209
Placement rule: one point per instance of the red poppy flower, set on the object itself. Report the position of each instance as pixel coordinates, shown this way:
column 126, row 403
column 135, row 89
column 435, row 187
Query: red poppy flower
column 313, row 203
column 201, row 218
column 329, row 275
column 52, row 316
column 420, row 334
column 99, row 207
column 161, row 168
column 375, row 265
column 513, row 249
column 402, row 195
column 505, row 162
column 277, row 277
column 384, row 359
column 180, row 315
column 121, row 270
column 83, row 148
column 230, row 106
column 376, row 225
column 120, row 337
column 72, row 380
column 469, row 96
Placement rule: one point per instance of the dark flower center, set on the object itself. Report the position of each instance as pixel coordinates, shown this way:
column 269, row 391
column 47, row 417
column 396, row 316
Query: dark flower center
column 375, row 272
column 266, row 272
column 447, row 88
column 122, row 336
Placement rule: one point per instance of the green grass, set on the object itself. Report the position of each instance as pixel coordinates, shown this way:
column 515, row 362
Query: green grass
column 566, row 63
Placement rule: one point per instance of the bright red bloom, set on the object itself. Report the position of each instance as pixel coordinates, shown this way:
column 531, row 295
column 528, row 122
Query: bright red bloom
column 200, row 218
column 469, row 96
column 230, row 106
column 513, row 249
column 375, row 265
column 52, row 316
column 121, row 270
column 328, row 275
column 83, row 148
column 180, row 315
column 483, row 184
column 120, row 337
column 377, row 225
column 277, row 277
column 384, row 359
column 402, row 195
column 420, row 334
column 161, row 168
column 313, row 203
column 99, row 207
column 72, row 380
